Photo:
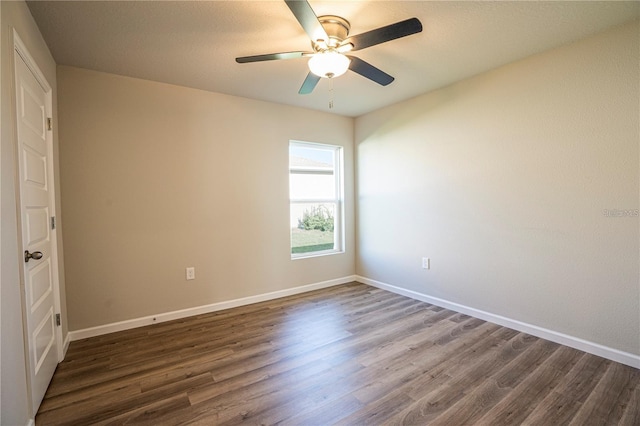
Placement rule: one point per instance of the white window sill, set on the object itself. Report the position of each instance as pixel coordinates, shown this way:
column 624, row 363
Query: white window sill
column 316, row 254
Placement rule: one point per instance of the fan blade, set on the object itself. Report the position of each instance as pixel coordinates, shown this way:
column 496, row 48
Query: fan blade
column 272, row 57
column 384, row 34
column 308, row 19
column 367, row 70
column 309, row 84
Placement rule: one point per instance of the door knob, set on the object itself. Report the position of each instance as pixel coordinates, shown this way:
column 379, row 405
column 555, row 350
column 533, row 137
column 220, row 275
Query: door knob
column 35, row 255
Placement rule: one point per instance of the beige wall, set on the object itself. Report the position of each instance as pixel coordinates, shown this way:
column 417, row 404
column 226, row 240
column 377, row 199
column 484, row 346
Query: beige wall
column 157, row 178
column 502, row 181
column 15, row 405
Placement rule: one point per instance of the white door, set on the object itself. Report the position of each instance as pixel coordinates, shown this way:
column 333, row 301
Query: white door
column 33, row 106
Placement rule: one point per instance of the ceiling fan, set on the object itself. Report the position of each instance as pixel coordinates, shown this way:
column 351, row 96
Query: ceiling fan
column 330, row 41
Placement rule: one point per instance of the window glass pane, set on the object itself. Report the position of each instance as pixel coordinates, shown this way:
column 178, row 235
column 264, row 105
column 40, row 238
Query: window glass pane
column 311, row 186
column 312, row 227
column 315, row 193
column 306, row 157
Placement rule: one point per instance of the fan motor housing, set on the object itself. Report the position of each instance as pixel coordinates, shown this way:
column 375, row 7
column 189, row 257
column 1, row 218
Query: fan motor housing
column 336, row 27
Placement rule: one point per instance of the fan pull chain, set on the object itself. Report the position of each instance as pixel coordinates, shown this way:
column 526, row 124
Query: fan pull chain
column 330, row 93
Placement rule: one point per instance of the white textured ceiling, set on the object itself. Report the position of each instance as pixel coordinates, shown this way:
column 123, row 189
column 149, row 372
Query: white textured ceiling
column 194, row 43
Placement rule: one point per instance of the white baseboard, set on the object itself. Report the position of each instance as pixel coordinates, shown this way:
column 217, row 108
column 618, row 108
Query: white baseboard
column 554, row 336
column 183, row 313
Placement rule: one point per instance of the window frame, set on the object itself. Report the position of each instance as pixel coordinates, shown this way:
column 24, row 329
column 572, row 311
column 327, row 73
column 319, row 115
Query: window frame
column 338, row 200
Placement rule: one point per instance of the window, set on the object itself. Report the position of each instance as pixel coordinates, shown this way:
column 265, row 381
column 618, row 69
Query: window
column 315, row 194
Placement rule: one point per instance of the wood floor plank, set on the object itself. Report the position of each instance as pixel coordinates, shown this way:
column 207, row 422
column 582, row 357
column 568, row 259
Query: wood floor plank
column 479, row 399
column 390, row 349
column 606, row 404
column 396, row 384
column 325, row 414
column 519, row 403
column 243, row 403
column 471, row 406
column 564, row 401
column 375, row 414
column 471, row 372
column 304, row 396
column 422, row 367
column 631, row 414
column 152, row 414
column 531, row 359
column 350, row 354
column 99, row 409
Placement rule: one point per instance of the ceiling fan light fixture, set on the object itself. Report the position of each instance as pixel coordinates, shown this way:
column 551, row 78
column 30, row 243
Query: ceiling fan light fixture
column 331, row 41
column 329, row 64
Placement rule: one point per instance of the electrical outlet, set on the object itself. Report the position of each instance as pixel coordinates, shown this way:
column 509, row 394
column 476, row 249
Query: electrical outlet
column 426, row 263
column 191, row 273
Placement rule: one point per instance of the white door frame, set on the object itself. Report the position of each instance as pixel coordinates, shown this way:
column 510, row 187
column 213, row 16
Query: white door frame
column 21, row 50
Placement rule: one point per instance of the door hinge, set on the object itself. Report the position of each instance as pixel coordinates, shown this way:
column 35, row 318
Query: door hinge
column 53, row 222
column 49, row 123
column 58, row 320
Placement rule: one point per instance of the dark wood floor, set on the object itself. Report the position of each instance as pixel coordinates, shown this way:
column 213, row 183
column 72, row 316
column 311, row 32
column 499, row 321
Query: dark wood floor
column 348, row 355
